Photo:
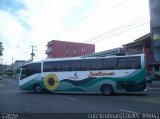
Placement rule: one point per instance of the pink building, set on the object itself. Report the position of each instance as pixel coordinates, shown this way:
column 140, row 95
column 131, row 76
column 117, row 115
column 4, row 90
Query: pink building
column 60, row 49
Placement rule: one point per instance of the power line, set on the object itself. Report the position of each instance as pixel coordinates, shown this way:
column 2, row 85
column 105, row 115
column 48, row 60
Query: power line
column 116, row 6
column 113, row 34
column 129, row 24
column 67, row 29
column 22, row 50
column 121, row 32
column 124, row 31
column 70, row 26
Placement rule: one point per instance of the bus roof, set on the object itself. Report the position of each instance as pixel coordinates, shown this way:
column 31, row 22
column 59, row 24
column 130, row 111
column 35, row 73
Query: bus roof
column 81, row 58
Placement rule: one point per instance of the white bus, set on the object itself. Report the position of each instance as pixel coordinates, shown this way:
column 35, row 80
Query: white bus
column 106, row 75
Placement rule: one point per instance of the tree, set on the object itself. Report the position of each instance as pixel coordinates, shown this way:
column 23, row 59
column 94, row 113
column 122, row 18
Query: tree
column 1, row 52
column 1, row 49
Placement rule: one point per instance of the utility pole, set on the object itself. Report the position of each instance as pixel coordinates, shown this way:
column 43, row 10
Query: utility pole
column 12, row 63
column 32, row 53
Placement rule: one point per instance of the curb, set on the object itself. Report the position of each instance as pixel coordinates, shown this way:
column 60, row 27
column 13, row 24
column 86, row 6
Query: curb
column 154, row 84
column 153, row 88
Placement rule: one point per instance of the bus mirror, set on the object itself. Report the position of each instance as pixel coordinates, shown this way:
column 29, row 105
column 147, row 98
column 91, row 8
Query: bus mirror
column 23, row 75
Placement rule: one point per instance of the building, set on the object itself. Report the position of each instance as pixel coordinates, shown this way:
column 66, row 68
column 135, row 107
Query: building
column 150, row 43
column 141, row 45
column 19, row 63
column 154, row 6
column 60, row 49
column 115, row 51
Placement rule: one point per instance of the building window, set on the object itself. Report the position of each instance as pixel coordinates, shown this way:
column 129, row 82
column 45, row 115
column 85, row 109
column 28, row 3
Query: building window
column 157, row 68
column 66, row 48
column 83, row 49
column 74, row 49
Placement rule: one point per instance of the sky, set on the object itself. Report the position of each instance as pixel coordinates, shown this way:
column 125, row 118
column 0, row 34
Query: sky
column 106, row 23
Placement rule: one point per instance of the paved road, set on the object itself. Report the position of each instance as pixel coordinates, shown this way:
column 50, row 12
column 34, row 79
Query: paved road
column 15, row 101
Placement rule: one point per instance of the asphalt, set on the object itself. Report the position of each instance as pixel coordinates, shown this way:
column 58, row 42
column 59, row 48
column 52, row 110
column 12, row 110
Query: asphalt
column 26, row 105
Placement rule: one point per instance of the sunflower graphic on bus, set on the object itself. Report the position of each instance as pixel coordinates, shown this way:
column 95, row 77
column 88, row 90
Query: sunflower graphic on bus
column 51, row 82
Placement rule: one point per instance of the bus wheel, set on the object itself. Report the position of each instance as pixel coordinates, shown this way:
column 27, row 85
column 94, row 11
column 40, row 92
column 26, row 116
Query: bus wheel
column 37, row 88
column 106, row 89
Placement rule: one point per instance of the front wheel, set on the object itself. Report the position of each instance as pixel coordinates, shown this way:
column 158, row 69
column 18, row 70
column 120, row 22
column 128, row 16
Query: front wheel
column 37, row 89
column 106, row 89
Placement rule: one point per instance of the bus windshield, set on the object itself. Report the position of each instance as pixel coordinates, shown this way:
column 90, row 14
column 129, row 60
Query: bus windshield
column 30, row 69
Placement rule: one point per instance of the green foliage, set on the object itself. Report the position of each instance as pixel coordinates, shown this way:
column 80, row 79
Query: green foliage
column 18, row 71
column 9, row 72
column 1, row 49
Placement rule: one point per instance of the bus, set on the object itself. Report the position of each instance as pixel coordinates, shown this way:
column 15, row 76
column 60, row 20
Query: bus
column 105, row 75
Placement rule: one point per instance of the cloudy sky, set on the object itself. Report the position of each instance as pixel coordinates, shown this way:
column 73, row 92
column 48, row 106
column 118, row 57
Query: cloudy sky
column 106, row 23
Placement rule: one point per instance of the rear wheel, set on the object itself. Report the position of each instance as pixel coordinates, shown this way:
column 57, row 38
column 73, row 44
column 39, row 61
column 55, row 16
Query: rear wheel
column 37, row 88
column 106, row 89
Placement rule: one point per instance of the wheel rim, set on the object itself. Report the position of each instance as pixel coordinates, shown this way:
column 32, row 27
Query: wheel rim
column 38, row 89
column 106, row 90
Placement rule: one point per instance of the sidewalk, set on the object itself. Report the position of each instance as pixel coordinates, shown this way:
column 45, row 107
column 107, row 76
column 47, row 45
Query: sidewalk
column 155, row 84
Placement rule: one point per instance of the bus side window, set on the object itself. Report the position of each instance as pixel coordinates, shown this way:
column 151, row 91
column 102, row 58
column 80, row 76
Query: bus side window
column 69, row 66
column 50, row 66
column 134, row 62
column 84, row 65
column 65, row 66
column 95, row 64
column 109, row 64
column 56, row 66
column 122, row 63
column 47, row 67
column 129, row 63
column 75, row 65
column 62, row 66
